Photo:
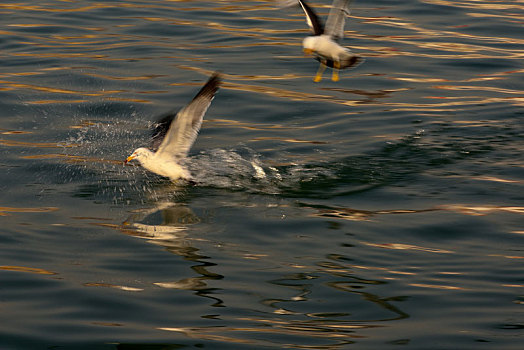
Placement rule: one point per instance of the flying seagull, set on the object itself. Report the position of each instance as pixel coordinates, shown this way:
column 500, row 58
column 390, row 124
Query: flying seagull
column 324, row 41
column 174, row 134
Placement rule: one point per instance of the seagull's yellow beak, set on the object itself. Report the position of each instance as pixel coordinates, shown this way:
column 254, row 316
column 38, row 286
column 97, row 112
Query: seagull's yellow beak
column 130, row 158
column 309, row 51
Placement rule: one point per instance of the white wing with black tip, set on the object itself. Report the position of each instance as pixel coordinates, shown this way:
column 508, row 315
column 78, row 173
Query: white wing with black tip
column 185, row 126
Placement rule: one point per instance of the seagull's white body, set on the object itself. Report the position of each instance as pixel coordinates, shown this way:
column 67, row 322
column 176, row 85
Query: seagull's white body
column 325, row 46
column 175, row 134
column 163, row 165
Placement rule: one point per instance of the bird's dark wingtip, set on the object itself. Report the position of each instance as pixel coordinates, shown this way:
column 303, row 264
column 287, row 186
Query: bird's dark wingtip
column 314, row 22
column 211, row 87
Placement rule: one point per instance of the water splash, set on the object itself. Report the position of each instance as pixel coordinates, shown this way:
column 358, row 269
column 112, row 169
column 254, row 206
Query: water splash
column 236, row 169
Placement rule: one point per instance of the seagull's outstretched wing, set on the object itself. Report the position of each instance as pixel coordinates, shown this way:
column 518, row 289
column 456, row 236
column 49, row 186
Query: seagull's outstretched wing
column 313, row 21
column 160, row 129
column 184, row 127
column 340, row 9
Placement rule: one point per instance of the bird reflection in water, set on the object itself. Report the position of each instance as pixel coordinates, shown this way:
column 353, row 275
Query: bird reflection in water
column 166, row 225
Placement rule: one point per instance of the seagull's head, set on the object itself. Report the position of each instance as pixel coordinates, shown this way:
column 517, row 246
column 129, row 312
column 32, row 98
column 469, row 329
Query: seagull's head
column 139, row 154
column 309, row 44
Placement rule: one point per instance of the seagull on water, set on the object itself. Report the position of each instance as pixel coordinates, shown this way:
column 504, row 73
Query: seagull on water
column 174, row 134
column 324, row 41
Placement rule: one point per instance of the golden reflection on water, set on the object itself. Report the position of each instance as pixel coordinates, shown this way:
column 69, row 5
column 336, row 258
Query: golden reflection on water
column 336, row 333
column 477, row 88
column 131, row 78
column 482, row 210
column 4, row 211
column 27, row 269
column 436, row 286
column 364, row 215
column 45, row 102
column 290, row 140
column 400, row 246
column 478, row 4
column 13, row 132
column 57, row 90
column 33, row 144
column 496, row 179
column 74, row 159
column 109, row 285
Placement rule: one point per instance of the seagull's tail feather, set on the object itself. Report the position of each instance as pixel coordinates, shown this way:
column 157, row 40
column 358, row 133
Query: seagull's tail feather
column 351, row 61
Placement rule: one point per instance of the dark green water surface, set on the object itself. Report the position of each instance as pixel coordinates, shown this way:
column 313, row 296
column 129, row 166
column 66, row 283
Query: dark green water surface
column 383, row 211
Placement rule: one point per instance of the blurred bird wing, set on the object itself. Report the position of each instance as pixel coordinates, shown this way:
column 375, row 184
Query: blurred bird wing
column 313, row 21
column 336, row 20
column 184, row 128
